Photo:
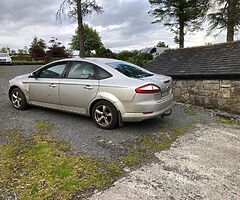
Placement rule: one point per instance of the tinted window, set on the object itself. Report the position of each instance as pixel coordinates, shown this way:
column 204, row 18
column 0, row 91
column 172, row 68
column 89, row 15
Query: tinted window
column 4, row 55
column 55, row 71
column 103, row 74
column 130, row 70
column 82, row 70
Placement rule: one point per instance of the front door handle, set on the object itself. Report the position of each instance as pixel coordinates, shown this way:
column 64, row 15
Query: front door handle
column 52, row 85
column 88, row 87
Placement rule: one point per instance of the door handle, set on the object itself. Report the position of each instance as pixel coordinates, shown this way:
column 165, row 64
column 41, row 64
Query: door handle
column 88, row 87
column 52, row 85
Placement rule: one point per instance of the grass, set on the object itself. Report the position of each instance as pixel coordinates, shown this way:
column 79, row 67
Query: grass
column 144, row 147
column 190, row 111
column 41, row 168
column 224, row 121
column 43, row 125
column 18, row 62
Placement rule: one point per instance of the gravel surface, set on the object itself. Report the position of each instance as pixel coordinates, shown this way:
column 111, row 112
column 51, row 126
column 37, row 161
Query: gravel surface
column 204, row 164
column 81, row 132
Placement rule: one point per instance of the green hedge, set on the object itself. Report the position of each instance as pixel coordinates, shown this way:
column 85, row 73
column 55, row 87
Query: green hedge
column 41, row 62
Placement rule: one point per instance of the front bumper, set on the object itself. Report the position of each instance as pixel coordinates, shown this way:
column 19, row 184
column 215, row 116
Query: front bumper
column 5, row 62
column 158, row 108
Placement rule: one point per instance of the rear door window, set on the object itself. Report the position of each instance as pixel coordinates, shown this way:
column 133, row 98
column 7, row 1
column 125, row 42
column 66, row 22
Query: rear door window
column 82, row 70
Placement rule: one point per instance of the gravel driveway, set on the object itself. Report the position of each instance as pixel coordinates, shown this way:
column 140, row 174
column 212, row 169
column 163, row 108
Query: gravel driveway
column 80, row 131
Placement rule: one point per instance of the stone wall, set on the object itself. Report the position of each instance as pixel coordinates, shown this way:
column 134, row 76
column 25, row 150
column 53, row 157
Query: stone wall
column 219, row 94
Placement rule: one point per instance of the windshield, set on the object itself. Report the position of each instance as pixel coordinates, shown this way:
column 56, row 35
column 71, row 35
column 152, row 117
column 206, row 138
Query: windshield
column 4, row 55
column 130, row 70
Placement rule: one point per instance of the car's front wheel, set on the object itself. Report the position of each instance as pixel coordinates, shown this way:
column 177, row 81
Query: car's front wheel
column 105, row 115
column 18, row 99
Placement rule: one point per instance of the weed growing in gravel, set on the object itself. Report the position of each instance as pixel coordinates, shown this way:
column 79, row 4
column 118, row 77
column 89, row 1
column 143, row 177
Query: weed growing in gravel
column 43, row 125
column 41, row 168
column 190, row 111
column 144, row 147
column 225, row 121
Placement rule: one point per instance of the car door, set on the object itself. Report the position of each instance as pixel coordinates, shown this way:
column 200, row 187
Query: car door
column 79, row 87
column 44, row 87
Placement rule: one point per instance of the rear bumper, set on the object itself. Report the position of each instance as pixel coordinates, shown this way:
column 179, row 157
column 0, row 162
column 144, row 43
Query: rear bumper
column 157, row 109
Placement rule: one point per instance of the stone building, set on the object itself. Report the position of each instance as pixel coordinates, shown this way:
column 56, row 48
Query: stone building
column 207, row 76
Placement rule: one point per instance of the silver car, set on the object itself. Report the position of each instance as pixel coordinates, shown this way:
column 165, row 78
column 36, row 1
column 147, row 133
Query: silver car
column 5, row 59
column 110, row 91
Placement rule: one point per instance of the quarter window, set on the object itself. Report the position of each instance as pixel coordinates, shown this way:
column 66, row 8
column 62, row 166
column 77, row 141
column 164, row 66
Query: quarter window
column 103, row 74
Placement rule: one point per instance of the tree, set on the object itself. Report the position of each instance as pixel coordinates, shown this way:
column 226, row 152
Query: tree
column 23, row 51
column 77, row 9
column 162, row 44
column 180, row 15
column 135, row 57
column 37, row 48
column 105, row 53
column 92, row 40
column 4, row 50
column 226, row 17
column 56, row 49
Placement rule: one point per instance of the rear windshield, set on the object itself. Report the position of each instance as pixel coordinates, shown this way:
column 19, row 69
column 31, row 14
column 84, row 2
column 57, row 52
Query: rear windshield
column 130, row 70
column 4, row 55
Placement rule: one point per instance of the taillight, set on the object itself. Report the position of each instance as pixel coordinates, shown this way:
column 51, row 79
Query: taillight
column 148, row 89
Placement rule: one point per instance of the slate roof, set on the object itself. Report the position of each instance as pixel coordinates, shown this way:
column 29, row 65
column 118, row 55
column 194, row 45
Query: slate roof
column 214, row 60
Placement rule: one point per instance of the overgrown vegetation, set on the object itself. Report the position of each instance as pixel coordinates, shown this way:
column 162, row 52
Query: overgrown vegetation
column 42, row 168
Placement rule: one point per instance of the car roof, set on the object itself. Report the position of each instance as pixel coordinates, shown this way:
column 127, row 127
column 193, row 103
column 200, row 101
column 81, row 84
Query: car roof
column 93, row 59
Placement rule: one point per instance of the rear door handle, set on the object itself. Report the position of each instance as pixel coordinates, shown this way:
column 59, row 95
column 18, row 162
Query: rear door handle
column 88, row 87
column 52, row 85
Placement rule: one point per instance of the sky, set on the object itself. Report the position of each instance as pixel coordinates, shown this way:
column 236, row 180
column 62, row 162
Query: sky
column 124, row 25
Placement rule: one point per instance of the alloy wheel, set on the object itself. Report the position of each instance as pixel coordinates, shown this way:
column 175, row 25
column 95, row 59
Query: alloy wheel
column 16, row 99
column 103, row 115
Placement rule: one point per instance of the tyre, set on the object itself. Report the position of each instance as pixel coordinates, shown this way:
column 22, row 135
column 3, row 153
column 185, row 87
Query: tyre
column 105, row 115
column 18, row 99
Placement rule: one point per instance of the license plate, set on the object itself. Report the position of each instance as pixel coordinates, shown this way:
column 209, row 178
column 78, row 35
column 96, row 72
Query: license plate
column 166, row 93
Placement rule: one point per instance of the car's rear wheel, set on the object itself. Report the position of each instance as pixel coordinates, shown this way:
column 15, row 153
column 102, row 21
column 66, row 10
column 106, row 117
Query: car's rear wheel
column 18, row 99
column 105, row 115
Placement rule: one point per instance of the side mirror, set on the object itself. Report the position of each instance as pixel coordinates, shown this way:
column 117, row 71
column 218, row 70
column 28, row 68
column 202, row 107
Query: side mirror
column 33, row 75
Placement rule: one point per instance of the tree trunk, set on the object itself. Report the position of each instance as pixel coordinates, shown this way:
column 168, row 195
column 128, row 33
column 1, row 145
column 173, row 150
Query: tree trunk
column 80, row 28
column 181, row 34
column 231, row 19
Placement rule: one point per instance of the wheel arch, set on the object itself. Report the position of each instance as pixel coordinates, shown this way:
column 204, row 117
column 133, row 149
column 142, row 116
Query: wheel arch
column 11, row 89
column 95, row 102
column 111, row 99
